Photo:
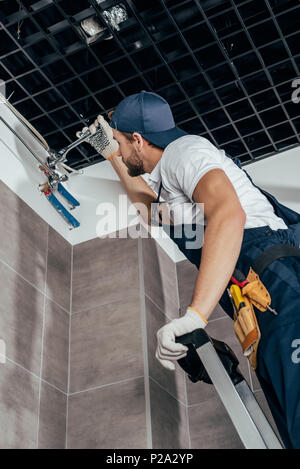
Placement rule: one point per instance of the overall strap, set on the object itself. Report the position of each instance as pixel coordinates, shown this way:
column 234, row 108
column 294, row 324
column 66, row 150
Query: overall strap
column 156, row 208
column 159, row 191
column 272, row 254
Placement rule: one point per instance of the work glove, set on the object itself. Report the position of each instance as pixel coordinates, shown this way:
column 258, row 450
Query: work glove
column 102, row 138
column 167, row 349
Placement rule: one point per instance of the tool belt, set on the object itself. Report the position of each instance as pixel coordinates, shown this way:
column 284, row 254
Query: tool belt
column 254, row 293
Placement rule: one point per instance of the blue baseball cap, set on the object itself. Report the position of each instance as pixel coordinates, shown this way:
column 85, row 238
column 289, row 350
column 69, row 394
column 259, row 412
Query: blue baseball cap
column 148, row 114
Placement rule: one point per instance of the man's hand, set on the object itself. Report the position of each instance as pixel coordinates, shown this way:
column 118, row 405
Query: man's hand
column 102, row 137
column 167, row 349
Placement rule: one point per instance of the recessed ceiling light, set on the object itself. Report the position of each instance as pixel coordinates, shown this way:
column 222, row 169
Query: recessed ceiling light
column 92, row 29
column 115, row 15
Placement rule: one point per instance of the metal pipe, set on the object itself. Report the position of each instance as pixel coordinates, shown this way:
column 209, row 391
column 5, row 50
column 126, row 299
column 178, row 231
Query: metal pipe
column 36, row 157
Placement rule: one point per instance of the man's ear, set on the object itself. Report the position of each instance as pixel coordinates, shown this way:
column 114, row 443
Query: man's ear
column 110, row 113
column 139, row 140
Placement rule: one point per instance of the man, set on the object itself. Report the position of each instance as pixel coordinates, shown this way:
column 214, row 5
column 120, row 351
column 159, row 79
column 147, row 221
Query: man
column 241, row 222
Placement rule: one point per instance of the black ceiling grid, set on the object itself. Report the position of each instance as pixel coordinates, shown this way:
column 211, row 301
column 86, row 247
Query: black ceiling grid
column 39, row 79
column 225, row 66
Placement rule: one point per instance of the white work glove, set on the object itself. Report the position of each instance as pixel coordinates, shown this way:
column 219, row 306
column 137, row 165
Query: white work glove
column 167, row 349
column 102, row 138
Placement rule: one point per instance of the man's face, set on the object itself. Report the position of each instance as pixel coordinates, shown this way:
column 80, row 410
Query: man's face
column 130, row 157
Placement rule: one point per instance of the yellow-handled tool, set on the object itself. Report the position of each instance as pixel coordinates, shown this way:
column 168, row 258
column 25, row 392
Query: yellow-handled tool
column 245, row 325
column 237, row 297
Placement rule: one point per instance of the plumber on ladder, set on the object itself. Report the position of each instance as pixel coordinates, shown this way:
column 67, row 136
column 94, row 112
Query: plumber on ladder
column 251, row 243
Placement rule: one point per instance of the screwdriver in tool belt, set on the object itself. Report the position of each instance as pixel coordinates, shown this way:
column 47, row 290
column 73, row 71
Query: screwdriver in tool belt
column 231, row 300
column 237, row 297
column 239, row 279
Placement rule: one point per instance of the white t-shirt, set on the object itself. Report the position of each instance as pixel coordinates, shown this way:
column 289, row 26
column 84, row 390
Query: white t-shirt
column 185, row 161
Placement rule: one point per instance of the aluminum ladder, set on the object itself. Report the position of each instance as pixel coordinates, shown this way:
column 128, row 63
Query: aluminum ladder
column 214, row 362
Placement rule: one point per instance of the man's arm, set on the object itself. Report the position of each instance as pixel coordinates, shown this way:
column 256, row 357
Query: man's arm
column 140, row 193
column 225, row 220
column 136, row 188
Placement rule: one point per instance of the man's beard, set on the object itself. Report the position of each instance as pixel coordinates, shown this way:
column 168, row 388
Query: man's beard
column 135, row 165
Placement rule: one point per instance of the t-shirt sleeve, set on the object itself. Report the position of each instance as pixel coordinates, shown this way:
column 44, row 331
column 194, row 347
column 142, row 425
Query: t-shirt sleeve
column 186, row 168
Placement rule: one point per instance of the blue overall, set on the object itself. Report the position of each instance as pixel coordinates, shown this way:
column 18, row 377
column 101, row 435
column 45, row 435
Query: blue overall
column 278, row 368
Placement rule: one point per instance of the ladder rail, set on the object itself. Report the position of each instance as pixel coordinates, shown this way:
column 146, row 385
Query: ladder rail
column 219, row 363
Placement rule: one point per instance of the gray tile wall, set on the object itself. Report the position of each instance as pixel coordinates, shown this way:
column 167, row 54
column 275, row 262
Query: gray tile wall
column 116, row 383
column 49, row 384
column 90, row 379
column 52, row 418
column 104, row 271
column 160, row 278
column 106, row 405
column 111, row 416
column 35, row 272
column 168, row 398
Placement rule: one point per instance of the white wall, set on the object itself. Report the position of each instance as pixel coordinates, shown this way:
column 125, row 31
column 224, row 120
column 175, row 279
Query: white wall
column 279, row 175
